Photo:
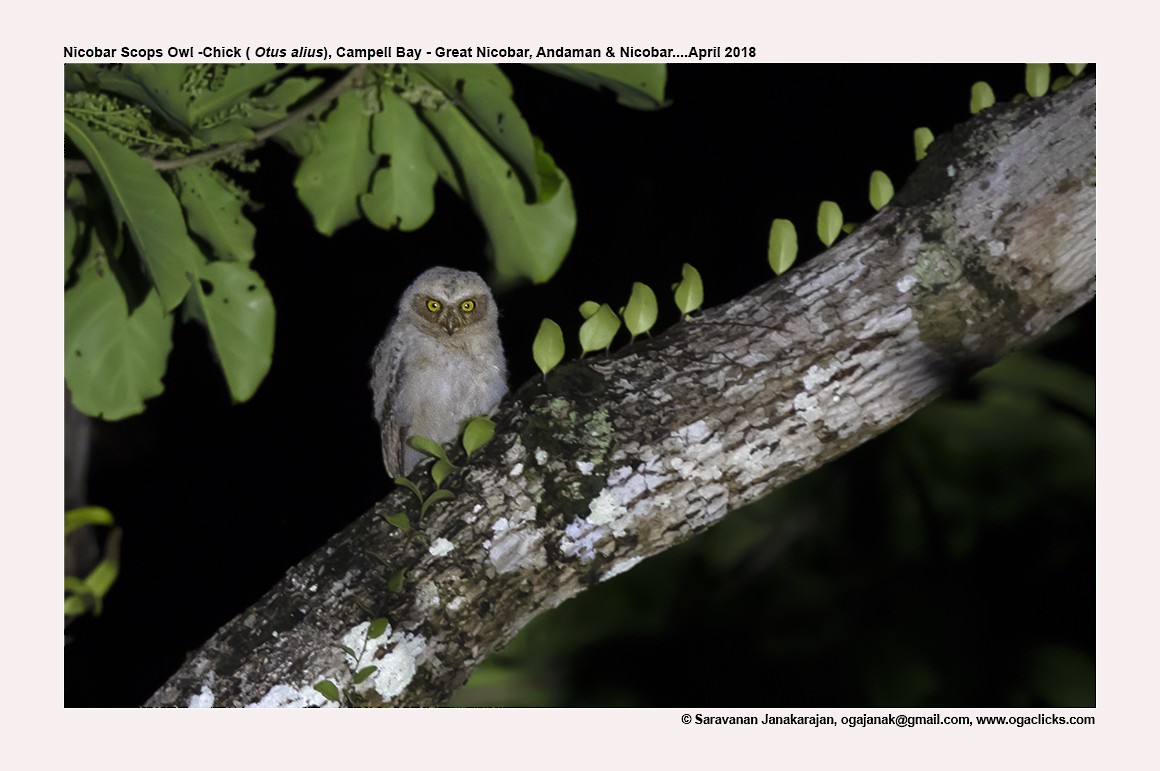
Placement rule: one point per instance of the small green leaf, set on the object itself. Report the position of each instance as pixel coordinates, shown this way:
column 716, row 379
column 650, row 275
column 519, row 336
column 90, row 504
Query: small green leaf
column 598, row 331
column 407, row 483
column 327, row 689
column 589, row 307
column 548, row 347
column 478, row 432
column 1062, row 82
column 349, row 651
column 982, row 97
column 377, row 627
column 1076, row 69
column 395, row 582
column 364, row 673
column 86, row 515
column 881, row 189
column 690, row 293
column 829, row 222
column 433, row 498
column 429, row 446
column 440, row 470
column 399, row 520
column 1037, row 79
column 641, row 312
column 922, row 139
column 783, row 245
column 849, row 227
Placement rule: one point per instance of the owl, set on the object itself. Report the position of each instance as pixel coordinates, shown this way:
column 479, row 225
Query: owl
column 440, row 362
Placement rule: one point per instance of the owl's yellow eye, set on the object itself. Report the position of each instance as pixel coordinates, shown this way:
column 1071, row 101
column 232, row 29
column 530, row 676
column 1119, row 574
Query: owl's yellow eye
column 434, row 306
column 467, row 305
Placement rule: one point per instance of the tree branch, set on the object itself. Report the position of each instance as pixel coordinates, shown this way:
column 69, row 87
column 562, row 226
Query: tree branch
column 213, row 154
column 991, row 242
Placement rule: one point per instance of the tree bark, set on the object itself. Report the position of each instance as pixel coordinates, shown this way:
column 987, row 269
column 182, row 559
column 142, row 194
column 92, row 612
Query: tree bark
column 616, row 458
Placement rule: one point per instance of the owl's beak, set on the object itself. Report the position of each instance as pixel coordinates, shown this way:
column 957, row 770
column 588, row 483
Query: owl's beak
column 451, row 322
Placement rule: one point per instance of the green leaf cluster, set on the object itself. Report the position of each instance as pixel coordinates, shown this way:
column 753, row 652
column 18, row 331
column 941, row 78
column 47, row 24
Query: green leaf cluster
column 155, row 222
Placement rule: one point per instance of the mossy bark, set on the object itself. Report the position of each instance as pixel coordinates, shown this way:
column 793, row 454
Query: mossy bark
column 616, row 458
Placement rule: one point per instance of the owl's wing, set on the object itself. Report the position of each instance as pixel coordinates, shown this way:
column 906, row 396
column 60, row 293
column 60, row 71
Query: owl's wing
column 392, row 436
column 387, row 367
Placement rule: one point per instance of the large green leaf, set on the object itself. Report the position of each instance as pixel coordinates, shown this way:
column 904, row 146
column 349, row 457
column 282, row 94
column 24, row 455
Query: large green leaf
column 338, row 168
column 528, row 240
column 146, row 206
column 483, row 93
column 114, row 360
column 641, row 86
column 235, row 306
column 403, row 193
column 214, row 212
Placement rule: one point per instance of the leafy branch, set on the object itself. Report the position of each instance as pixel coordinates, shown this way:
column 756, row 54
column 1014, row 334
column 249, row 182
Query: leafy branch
column 352, row 79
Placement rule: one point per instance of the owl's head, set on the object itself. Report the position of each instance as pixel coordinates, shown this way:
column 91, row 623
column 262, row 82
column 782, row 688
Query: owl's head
column 448, row 302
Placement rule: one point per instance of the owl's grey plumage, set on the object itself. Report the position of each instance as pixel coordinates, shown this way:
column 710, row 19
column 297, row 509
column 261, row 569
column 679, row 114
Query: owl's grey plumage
column 440, row 362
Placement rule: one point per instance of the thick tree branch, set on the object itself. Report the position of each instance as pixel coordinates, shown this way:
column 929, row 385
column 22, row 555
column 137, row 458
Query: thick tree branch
column 617, row 458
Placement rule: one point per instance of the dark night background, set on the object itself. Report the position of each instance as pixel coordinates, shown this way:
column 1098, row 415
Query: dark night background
column 950, row 562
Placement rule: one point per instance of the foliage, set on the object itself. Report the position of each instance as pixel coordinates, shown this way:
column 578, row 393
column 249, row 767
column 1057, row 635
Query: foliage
column 599, row 328
column 548, row 346
column 689, row 293
column 783, row 245
column 83, row 595
column 881, row 189
column 640, row 314
column 829, row 222
column 1037, row 79
column 922, row 140
column 150, row 152
column 982, row 97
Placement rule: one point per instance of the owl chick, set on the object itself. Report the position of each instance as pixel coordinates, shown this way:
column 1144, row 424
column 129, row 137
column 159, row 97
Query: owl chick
column 440, row 362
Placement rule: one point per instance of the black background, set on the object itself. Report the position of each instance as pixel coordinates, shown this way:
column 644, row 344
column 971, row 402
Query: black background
column 218, row 500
